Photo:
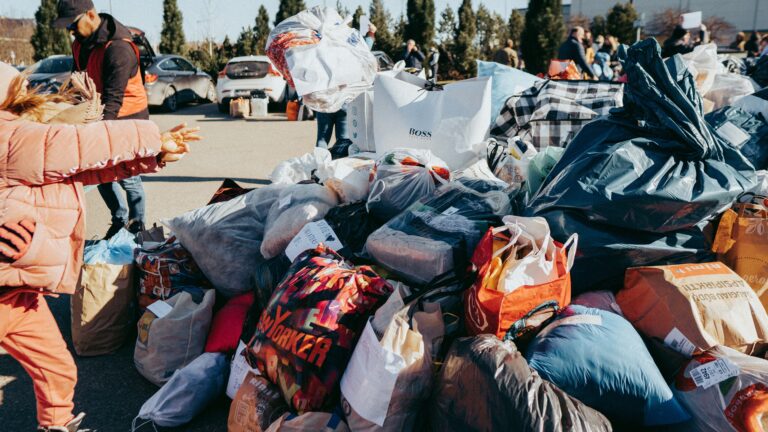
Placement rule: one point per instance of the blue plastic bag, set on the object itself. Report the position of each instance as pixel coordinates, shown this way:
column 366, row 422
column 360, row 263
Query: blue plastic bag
column 118, row 250
column 505, row 82
column 597, row 357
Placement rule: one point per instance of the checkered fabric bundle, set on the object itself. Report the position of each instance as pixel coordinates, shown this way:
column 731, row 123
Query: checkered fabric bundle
column 551, row 112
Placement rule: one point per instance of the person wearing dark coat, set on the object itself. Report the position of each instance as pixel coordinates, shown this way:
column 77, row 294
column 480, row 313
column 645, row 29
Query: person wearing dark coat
column 413, row 57
column 573, row 49
column 678, row 43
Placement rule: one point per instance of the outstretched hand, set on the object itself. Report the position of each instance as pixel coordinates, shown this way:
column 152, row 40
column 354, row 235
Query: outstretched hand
column 175, row 142
column 15, row 239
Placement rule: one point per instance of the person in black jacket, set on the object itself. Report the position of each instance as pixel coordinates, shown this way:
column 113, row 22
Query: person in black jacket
column 413, row 57
column 573, row 49
column 104, row 48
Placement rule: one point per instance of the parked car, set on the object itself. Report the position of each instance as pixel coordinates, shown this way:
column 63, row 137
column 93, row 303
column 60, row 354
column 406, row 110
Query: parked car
column 172, row 80
column 242, row 75
column 146, row 53
column 385, row 63
column 50, row 73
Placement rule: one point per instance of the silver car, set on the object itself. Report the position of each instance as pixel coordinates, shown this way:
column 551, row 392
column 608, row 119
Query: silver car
column 50, row 73
column 172, row 80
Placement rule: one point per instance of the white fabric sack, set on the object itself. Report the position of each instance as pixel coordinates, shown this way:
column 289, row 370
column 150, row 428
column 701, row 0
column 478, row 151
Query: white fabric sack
column 448, row 122
column 186, row 394
column 238, row 370
column 170, row 342
column 531, row 236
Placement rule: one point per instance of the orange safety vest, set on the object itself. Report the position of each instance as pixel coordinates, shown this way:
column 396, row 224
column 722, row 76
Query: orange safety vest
column 135, row 98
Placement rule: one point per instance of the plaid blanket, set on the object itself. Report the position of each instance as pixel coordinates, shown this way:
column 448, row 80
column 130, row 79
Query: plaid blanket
column 551, row 112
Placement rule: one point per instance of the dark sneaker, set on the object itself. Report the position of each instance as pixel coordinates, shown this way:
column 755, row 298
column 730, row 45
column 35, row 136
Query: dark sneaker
column 135, row 227
column 113, row 229
column 72, row 426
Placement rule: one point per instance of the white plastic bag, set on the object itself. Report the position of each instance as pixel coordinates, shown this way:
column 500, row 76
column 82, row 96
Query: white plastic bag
column 188, row 391
column 360, row 122
column 349, row 177
column 536, row 260
column 402, row 177
column 296, row 206
column 448, row 122
column 326, row 60
column 703, row 64
column 300, row 168
column 727, row 88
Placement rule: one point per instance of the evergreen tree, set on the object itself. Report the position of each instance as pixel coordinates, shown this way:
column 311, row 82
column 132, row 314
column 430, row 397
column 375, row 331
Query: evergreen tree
column 48, row 40
column 542, row 34
column 261, row 30
column 465, row 51
column 399, row 36
column 172, row 35
column 287, row 9
column 446, row 31
column 620, row 22
column 226, row 51
column 385, row 39
column 421, row 22
column 356, row 18
column 485, row 31
column 598, row 26
column 515, row 26
column 245, row 44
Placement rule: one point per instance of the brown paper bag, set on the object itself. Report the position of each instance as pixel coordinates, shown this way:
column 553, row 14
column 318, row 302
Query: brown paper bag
column 742, row 244
column 102, row 308
column 257, row 404
column 239, row 108
column 694, row 307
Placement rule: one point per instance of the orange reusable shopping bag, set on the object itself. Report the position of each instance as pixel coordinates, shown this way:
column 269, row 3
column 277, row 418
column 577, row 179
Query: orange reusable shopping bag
column 563, row 70
column 488, row 310
column 292, row 110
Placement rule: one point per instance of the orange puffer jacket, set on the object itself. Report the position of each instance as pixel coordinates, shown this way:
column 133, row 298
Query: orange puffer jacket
column 42, row 172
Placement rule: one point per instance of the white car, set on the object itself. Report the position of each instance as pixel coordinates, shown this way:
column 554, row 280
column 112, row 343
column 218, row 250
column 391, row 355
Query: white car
column 242, row 75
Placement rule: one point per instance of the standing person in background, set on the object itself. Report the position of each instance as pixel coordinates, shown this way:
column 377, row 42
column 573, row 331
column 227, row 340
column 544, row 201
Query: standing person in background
column 328, row 122
column 413, row 57
column 589, row 52
column 739, row 42
column 103, row 48
column 434, row 60
column 752, row 47
column 599, row 41
column 678, row 43
column 573, row 49
column 507, row 55
column 763, row 46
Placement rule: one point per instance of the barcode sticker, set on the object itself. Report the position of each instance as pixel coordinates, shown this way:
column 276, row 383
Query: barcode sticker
column 678, row 342
column 450, row 210
column 285, row 202
column 713, row 373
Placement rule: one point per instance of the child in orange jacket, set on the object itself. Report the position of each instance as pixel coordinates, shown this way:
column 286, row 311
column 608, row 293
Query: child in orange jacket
column 42, row 224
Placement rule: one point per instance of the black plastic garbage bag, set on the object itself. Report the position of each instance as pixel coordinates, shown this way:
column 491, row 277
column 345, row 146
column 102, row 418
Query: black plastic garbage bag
column 486, row 385
column 745, row 131
column 760, row 71
column 639, row 179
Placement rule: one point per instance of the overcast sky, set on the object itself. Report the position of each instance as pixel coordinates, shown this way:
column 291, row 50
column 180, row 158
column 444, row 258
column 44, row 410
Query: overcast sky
column 229, row 16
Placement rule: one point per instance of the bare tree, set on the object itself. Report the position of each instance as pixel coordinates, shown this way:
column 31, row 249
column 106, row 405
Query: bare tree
column 578, row 21
column 720, row 30
column 664, row 22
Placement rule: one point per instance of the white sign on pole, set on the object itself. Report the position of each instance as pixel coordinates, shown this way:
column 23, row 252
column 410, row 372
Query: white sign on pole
column 692, row 20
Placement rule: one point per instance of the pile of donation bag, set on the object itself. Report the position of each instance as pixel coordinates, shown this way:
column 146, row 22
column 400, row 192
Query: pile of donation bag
column 606, row 270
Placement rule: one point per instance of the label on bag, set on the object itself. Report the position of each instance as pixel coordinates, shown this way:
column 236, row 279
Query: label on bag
column 160, row 308
column 713, row 373
column 285, row 202
column 313, row 234
column 678, row 342
column 450, row 210
column 733, row 134
column 238, row 370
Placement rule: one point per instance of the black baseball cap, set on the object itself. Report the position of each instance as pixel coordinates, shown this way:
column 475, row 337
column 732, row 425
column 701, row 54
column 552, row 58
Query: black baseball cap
column 69, row 10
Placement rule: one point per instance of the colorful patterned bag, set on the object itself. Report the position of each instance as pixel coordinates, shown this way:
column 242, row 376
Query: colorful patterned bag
column 307, row 333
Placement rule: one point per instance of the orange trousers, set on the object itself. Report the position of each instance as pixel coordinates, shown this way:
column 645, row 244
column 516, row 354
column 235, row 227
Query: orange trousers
column 30, row 334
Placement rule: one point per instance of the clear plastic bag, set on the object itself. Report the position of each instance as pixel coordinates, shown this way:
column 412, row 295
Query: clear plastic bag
column 296, row 206
column 322, row 57
column 438, row 234
column 117, row 251
column 510, row 160
column 402, row 177
column 728, row 88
